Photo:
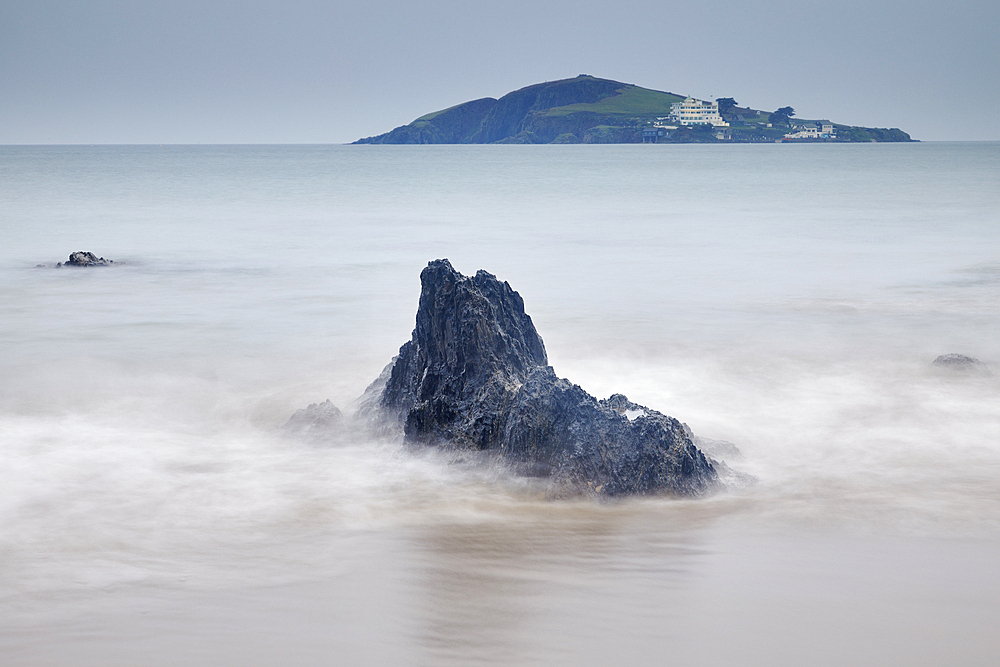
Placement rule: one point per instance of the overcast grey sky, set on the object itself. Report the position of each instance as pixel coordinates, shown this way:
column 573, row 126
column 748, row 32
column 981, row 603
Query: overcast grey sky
column 304, row 71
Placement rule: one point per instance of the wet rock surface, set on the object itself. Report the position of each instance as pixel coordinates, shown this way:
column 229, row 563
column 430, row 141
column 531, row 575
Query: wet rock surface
column 84, row 258
column 475, row 377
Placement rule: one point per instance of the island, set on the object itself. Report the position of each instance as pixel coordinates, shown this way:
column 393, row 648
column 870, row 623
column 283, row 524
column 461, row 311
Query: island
column 589, row 110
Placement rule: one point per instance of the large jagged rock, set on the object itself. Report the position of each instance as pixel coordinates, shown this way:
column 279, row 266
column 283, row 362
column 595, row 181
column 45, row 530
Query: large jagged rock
column 474, row 376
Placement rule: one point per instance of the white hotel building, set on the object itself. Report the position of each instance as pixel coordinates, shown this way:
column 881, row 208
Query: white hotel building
column 696, row 112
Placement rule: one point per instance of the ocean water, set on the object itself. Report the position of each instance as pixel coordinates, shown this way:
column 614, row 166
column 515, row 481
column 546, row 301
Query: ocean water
column 790, row 299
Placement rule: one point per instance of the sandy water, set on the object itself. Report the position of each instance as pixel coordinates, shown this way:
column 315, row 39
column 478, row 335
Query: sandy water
column 787, row 298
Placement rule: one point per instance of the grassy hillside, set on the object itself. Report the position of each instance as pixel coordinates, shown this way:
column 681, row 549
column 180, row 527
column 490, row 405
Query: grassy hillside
column 631, row 101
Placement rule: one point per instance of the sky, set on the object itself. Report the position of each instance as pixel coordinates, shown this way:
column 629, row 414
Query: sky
column 307, row 71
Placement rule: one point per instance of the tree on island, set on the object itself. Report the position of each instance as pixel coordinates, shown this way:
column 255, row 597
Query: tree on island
column 782, row 116
column 726, row 104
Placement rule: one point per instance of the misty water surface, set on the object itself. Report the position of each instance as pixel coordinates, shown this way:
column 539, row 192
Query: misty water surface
column 789, row 299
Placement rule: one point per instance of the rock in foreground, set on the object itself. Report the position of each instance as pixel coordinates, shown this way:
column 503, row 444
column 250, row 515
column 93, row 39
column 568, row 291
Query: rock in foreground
column 474, row 376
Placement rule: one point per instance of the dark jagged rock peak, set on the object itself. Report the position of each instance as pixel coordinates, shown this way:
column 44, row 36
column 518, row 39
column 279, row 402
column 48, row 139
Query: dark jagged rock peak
column 83, row 258
column 474, row 376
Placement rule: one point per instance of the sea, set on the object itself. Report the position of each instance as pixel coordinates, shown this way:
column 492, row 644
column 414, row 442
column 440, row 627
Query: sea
column 790, row 299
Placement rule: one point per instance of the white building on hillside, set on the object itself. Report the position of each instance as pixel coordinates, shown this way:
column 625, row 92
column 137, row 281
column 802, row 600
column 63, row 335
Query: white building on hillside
column 696, row 112
column 824, row 130
column 809, row 131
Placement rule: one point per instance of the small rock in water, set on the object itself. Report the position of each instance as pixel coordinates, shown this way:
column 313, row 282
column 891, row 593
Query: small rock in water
column 84, row 258
column 958, row 361
column 722, row 450
column 319, row 420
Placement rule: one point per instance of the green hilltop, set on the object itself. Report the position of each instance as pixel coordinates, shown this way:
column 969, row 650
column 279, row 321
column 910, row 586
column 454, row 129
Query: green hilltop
column 587, row 109
column 626, row 102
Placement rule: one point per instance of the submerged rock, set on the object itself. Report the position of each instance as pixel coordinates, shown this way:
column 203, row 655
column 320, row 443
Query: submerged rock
column 959, row 361
column 83, row 258
column 721, row 450
column 318, row 420
column 475, row 376
column 960, row 364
